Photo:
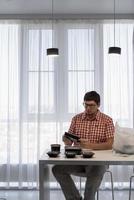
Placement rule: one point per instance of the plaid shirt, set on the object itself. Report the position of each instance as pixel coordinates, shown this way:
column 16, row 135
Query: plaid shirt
column 96, row 131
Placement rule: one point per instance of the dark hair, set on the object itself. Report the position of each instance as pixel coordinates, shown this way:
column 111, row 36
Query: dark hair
column 92, row 96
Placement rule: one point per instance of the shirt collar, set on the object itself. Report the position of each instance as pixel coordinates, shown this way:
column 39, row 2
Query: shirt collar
column 85, row 116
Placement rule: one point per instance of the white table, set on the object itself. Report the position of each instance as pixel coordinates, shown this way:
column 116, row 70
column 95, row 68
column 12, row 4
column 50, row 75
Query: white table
column 106, row 157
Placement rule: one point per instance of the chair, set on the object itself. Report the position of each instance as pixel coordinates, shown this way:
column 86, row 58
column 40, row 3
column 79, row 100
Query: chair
column 130, row 187
column 112, row 187
column 130, row 184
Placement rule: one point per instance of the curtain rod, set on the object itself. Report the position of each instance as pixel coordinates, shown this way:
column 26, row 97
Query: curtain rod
column 65, row 16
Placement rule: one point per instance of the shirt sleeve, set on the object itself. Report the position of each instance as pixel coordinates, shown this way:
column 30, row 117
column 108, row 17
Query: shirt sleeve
column 110, row 128
column 72, row 128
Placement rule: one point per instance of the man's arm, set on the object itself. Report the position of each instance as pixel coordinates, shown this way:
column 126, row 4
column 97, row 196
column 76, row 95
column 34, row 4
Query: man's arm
column 97, row 146
column 71, row 130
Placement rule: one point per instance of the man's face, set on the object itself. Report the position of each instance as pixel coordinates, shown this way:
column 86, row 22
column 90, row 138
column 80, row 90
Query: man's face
column 90, row 107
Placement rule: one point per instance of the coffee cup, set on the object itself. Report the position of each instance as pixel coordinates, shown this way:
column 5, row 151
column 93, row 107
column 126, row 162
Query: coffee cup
column 55, row 147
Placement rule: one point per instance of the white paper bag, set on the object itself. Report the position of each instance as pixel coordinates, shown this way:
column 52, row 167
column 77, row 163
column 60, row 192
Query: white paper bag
column 123, row 140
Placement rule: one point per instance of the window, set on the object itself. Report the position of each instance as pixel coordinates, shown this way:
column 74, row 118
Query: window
column 53, row 90
column 40, row 95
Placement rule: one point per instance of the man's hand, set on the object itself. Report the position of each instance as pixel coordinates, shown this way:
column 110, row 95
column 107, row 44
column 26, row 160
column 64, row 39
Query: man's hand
column 84, row 143
column 66, row 140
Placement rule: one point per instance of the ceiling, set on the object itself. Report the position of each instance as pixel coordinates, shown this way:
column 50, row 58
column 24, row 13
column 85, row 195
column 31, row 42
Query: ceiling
column 66, row 6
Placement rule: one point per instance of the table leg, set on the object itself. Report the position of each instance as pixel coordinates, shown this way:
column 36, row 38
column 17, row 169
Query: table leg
column 44, row 188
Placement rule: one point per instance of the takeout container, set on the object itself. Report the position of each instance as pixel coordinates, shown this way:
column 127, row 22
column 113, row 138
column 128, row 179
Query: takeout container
column 72, row 137
column 77, row 150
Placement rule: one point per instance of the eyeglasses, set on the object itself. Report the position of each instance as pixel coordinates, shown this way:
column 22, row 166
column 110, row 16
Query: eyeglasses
column 86, row 105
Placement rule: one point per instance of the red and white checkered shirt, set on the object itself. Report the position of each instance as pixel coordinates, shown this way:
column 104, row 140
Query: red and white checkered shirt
column 96, row 131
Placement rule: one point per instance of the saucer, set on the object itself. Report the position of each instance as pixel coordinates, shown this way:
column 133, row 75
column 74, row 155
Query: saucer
column 53, row 154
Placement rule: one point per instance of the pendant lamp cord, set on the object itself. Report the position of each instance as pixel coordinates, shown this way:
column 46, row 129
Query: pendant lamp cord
column 114, row 22
column 52, row 22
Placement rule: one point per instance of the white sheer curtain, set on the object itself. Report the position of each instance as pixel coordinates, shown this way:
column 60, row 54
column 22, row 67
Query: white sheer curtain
column 118, row 84
column 118, row 74
column 39, row 95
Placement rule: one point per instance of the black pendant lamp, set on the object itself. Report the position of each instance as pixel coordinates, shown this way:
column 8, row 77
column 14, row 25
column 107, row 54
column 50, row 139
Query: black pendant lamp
column 114, row 49
column 53, row 52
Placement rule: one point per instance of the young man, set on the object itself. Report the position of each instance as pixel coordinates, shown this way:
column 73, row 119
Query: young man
column 96, row 131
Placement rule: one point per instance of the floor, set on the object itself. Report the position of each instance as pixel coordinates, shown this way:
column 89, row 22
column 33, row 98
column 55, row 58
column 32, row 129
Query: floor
column 56, row 194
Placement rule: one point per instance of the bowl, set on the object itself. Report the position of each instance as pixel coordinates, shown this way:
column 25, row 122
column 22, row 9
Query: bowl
column 52, row 154
column 87, row 154
column 70, row 154
column 77, row 150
